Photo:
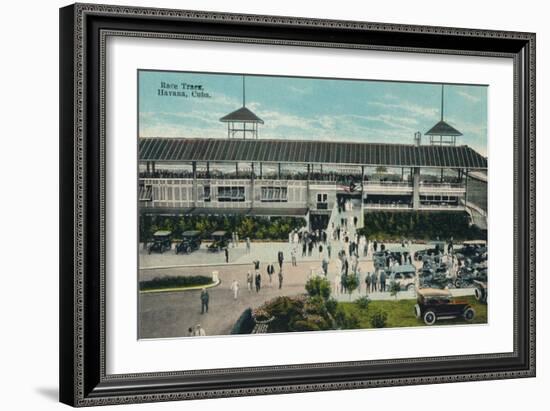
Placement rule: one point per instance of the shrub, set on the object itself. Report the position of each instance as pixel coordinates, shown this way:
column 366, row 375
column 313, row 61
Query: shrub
column 304, row 325
column 378, row 319
column 394, row 289
column 385, row 226
column 160, row 283
column 244, row 324
column 345, row 320
column 363, row 302
column 350, row 282
column 331, row 305
column 318, row 286
column 255, row 227
column 285, row 310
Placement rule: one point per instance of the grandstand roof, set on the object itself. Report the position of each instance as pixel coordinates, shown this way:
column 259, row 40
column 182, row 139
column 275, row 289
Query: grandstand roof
column 308, row 151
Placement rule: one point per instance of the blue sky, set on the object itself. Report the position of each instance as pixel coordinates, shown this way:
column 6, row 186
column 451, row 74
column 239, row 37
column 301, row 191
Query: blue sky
column 312, row 109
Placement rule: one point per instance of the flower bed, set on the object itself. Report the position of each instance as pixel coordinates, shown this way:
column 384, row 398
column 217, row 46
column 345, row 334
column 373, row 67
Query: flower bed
column 168, row 282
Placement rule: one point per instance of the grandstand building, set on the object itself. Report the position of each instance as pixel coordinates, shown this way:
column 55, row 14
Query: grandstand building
column 309, row 179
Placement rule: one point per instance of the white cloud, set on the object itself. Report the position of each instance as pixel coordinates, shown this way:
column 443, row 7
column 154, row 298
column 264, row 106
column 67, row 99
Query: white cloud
column 416, row 109
column 470, row 97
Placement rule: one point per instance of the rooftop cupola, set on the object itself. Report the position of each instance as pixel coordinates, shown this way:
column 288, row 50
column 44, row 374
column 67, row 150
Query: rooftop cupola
column 242, row 122
column 443, row 133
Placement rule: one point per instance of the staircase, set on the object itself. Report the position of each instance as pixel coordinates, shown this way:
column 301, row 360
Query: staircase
column 344, row 219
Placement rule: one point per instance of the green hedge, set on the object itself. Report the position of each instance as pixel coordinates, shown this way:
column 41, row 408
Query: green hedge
column 420, row 225
column 269, row 228
column 160, row 283
column 245, row 323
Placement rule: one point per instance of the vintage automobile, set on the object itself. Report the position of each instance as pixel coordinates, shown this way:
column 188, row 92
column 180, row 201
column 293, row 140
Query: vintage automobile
column 474, row 250
column 162, row 241
column 190, row 241
column 433, row 248
column 404, row 275
column 219, row 241
column 379, row 259
column 468, row 274
column 435, row 278
column 432, row 305
column 480, row 290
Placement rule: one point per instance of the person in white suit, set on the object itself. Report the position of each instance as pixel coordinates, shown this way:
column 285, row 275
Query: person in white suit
column 235, row 289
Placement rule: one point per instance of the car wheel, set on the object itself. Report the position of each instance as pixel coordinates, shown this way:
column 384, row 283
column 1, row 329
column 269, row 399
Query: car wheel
column 458, row 283
column 429, row 318
column 411, row 287
column 478, row 294
column 469, row 314
column 417, row 312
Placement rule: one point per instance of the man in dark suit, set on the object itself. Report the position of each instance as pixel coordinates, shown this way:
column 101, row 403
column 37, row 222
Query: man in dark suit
column 280, row 258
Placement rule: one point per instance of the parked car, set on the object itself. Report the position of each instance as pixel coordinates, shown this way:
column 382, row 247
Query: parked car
column 404, row 275
column 432, row 305
column 162, row 241
column 433, row 248
column 190, row 241
column 480, row 290
column 468, row 274
column 435, row 278
column 379, row 259
column 219, row 241
column 474, row 250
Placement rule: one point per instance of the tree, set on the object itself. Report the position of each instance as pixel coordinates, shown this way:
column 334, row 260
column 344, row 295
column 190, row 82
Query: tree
column 394, row 289
column 350, row 283
column 318, row 287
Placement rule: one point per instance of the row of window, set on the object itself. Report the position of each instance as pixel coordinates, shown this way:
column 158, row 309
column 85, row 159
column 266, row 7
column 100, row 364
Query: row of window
column 236, row 194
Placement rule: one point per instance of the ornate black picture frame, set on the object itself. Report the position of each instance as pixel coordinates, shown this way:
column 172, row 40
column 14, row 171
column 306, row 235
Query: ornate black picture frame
column 83, row 31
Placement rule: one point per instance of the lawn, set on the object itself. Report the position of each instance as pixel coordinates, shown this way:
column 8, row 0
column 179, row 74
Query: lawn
column 401, row 313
